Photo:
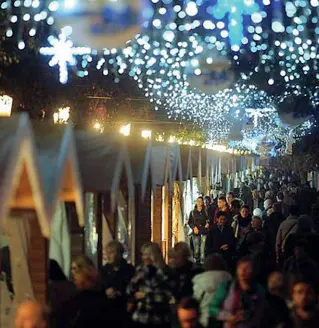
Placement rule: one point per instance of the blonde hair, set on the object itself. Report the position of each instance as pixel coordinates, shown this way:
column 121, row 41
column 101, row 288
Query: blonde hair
column 82, row 261
column 155, row 254
column 86, row 278
column 117, row 246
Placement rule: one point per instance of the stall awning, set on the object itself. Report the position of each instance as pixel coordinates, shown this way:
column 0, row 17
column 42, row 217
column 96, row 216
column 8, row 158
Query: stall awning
column 59, row 166
column 21, row 185
column 103, row 161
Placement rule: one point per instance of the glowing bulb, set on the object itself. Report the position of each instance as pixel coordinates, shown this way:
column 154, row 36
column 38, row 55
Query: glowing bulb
column 146, row 134
column 191, row 9
column 21, row 45
column 126, row 130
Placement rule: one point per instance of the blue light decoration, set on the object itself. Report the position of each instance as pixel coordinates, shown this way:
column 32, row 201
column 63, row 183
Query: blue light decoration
column 235, row 9
column 177, row 41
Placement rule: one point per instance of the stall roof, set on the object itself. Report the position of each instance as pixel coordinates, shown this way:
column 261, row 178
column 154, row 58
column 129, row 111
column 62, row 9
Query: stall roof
column 20, row 181
column 103, row 158
column 59, row 166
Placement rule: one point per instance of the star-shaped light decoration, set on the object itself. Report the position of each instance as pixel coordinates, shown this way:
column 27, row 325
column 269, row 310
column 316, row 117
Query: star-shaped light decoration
column 63, row 53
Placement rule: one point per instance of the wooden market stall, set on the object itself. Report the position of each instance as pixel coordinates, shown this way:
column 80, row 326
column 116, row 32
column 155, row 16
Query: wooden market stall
column 29, row 191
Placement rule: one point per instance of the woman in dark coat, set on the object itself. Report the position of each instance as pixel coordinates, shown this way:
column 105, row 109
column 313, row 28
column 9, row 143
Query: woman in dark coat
column 90, row 306
column 116, row 275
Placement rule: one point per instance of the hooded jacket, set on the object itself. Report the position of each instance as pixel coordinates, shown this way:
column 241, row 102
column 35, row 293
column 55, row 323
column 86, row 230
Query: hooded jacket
column 287, row 227
column 204, row 287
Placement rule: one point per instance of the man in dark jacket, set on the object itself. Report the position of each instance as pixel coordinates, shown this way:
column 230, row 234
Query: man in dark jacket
column 199, row 223
column 221, row 238
column 271, row 227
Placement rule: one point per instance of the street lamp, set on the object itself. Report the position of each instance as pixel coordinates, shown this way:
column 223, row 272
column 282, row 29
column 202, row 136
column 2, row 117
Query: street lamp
column 5, row 106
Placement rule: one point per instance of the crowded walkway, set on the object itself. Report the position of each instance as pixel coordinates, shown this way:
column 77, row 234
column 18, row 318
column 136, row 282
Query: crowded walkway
column 250, row 260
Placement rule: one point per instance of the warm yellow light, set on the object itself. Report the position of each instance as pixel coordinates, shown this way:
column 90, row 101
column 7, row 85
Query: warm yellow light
column 62, row 115
column 171, row 139
column 192, row 143
column 160, row 138
column 97, row 126
column 220, row 148
column 5, row 106
column 147, row 134
column 126, row 129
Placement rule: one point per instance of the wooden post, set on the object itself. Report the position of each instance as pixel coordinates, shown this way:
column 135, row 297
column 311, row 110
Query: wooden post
column 38, row 261
column 157, row 215
column 167, row 218
column 98, row 217
column 142, row 219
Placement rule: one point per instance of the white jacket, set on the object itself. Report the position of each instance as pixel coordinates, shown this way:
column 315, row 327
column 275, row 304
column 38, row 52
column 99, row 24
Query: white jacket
column 204, row 287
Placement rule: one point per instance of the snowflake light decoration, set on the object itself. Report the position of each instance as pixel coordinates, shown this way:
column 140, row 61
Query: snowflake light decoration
column 63, row 54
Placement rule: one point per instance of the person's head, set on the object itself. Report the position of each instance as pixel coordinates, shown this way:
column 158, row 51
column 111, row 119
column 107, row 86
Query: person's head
column 86, row 279
column 280, row 196
column 31, row 314
column 304, row 224
column 268, row 203
column 181, row 254
column 276, row 208
column 188, row 313
column 255, row 194
column 171, row 258
column 221, row 202
column 200, row 202
column 303, row 295
column 256, row 223
column 55, row 271
column 244, row 211
column 215, row 262
column 262, row 194
column 230, row 197
column 207, row 201
column 258, row 212
column 152, row 255
column 294, row 210
column 79, row 263
column 235, row 205
column 114, row 251
column 221, row 219
column 276, row 284
column 244, row 271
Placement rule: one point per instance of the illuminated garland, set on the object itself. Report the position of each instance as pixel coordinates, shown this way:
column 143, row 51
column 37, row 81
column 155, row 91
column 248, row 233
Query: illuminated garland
column 174, row 43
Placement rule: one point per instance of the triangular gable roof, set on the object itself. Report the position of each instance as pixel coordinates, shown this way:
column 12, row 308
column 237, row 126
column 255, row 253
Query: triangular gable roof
column 140, row 156
column 160, row 164
column 102, row 159
column 20, row 182
column 175, row 169
column 59, row 167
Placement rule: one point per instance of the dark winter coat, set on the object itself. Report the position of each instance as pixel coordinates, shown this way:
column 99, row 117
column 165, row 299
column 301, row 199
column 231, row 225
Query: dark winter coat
column 87, row 309
column 271, row 226
column 117, row 278
column 216, row 238
column 198, row 219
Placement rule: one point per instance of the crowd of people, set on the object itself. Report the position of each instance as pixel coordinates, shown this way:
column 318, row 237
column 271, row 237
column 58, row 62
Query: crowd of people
column 251, row 261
